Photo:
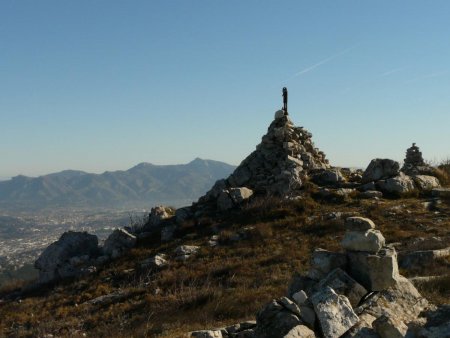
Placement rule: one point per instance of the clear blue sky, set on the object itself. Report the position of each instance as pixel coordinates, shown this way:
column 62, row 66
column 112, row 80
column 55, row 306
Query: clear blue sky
column 103, row 85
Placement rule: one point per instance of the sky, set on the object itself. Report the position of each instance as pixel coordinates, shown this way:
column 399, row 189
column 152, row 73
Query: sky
column 100, row 85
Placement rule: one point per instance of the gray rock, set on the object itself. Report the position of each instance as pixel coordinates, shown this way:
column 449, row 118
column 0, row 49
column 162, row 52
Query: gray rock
column 323, row 262
column 118, row 242
column 55, row 261
column 300, row 331
column 359, row 224
column 300, row 297
column 443, row 193
column 400, row 184
column 156, row 262
column 184, row 252
column 425, row 182
column 345, row 285
column 375, row 272
column 370, row 241
column 334, row 312
column 380, row 169
column 183, row 214
column 328, row 177
column 238, row 195
column 274, row 321
column 111, row 298
column 158, row 214
column 421, row 258
column 390, row 327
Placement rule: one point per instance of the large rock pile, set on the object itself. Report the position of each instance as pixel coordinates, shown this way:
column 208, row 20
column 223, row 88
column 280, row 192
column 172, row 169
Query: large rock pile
column 357, row 293
column 414, row 163
column 285, row 156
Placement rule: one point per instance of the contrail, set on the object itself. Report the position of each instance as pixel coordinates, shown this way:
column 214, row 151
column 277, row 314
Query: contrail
column 314, row 66
column 392, row 71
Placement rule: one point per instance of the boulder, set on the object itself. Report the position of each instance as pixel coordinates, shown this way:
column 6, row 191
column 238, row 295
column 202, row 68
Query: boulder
column 158, row 214
column 183, row 214
column 55, row 261
column 357, row 223
column 397, row 185
column 375, row 272
column 328, row 177
column 300, row 331
column 184, row 252
column 334, row 312
column 238, row 195
column 118, row 242
column 156, row 262
column 443, row 193
column 275, row 321
column 345, row 285
column 425, row 182
column 389, row 327
column 323, row 261
column 369, row 241
column 300, row 297
column 380, row 169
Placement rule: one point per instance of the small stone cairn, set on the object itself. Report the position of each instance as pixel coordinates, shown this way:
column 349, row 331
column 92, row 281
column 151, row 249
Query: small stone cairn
column 356, row 293
column 414, row 163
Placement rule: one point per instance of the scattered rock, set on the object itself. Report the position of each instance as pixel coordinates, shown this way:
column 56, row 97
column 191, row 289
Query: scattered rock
column 118, row 242
column 184, row 252
column 368, row 194
column 334, row 312
column 274, row 321
column 380, row 169
column 345, row 285
column 388, row 327
column 156, row 262
column 370, row 241
column 63, row 258
column 400, row 184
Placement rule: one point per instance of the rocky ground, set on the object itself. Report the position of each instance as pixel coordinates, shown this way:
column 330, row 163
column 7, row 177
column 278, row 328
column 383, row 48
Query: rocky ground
column 286, row 246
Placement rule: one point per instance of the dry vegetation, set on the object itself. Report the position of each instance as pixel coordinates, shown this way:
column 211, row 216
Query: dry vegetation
column 220, row 285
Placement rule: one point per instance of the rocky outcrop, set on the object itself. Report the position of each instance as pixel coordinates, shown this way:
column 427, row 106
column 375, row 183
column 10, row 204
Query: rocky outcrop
column 70, row 256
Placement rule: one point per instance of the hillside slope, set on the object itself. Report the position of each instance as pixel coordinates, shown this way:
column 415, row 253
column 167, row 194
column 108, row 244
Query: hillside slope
column 141, row 186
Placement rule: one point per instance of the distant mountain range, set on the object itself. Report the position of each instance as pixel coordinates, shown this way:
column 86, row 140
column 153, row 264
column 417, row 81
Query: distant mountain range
column 141, row 186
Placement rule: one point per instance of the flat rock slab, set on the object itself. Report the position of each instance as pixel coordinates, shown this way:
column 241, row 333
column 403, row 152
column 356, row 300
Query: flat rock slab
column 334, row 312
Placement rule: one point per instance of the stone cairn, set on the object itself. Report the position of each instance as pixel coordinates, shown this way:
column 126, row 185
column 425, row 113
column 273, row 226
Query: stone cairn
column 284, row 157
column 414, row 163
column 356, row 293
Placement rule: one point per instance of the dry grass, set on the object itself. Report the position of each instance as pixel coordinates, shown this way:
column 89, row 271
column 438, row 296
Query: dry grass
column 221, row 285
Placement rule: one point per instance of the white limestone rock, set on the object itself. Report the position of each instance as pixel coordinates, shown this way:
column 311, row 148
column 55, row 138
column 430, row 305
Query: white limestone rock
column 390, row 327
column 334, row 312
column 158, row 214
column 238, row 195
column 425, row 182
column 400, row 184
column 345, row 285
column 369, row 241
column 300, row 331
column 156, row 262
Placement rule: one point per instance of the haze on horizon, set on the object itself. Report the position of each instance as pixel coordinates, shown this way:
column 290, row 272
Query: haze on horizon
column 105, row 85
